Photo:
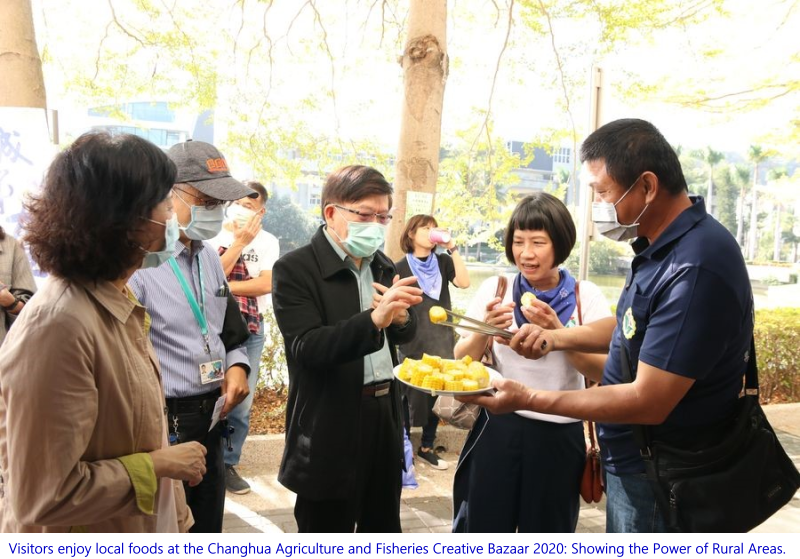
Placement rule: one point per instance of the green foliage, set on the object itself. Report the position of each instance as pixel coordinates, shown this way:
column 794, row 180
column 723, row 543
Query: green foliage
column 605, row 257
column 472, row 177
column 274, row 374
column 288, row 222
column 728, row 183
column 777, row 335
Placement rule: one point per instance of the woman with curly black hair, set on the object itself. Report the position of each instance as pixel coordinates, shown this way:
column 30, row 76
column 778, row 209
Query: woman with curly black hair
column 83, row 442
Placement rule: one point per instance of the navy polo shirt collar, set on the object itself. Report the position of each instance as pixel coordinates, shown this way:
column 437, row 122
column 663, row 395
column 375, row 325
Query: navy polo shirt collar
column 678, row 228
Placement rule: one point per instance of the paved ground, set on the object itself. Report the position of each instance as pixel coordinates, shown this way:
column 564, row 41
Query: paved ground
column 268, row 508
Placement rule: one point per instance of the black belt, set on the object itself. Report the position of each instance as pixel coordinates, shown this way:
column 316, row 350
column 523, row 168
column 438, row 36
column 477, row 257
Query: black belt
column 202, row 403
column 377, row 390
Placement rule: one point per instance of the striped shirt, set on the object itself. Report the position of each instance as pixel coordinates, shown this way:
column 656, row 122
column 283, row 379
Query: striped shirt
column 15, row 271
column 174, row 330
column 378, row 365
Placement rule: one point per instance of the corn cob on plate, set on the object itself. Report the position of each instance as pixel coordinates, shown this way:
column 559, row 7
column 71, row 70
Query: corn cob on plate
column 435, row 375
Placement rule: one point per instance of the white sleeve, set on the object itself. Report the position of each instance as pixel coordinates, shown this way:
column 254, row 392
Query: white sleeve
column 221, row 240
column 477, row 306
column 272, row 252
column 594, row 304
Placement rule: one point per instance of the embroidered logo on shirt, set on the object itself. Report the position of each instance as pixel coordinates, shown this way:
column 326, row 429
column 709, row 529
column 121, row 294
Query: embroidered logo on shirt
column 628, row 324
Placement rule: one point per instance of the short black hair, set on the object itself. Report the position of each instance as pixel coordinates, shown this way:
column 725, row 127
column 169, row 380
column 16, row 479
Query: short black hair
column 95, row 194
column 258, row 187
column 417, row 221
column 543, row 212
column 353, row 183
column 631, row 146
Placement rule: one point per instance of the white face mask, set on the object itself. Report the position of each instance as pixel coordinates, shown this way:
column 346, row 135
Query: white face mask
column 205, row 223
column 604, row 216
column 239, row 215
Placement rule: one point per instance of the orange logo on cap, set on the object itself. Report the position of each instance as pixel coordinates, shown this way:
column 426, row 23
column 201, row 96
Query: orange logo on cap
column 217, row 165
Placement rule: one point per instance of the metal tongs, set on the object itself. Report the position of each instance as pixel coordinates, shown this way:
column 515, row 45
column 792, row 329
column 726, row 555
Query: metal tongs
column 480, row 327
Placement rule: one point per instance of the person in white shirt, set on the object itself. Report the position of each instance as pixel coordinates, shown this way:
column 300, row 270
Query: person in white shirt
column 247, row 253
column 521, row 472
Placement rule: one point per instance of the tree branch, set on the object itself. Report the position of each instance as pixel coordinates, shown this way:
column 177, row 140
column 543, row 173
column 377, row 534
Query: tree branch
column 238, row 31
column 266, row 36
column 318, row 19
column 99, row 51
column 561, row 73
column 122, row 27
column 485, row 124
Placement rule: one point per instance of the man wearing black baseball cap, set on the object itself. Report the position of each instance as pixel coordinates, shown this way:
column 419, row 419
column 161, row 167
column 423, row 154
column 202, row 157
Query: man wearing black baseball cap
column 186, row 298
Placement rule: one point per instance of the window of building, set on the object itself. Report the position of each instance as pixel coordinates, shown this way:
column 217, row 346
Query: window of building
column 562, row 155
column 314, row 197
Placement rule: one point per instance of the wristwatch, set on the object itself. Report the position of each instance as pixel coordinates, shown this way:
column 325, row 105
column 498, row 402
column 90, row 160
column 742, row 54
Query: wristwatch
column 13, row 304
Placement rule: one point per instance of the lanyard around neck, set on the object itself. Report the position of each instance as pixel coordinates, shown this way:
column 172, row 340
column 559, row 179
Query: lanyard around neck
column 198, row 310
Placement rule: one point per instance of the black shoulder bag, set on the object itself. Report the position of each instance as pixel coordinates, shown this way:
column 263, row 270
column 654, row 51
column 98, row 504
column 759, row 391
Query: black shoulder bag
column 728, row 483
column 234, row 327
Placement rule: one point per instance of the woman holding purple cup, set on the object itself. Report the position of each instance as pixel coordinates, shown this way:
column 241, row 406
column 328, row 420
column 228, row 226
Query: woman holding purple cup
column 434, row 272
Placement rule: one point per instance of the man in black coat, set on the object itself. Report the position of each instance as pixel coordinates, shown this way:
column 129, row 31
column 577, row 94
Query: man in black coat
column 341, row 309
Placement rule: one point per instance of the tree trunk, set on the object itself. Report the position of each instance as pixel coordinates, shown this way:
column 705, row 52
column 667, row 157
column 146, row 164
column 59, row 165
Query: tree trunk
column 740, row 219
column 22, row 83
column 710, row 196
column 776, row 247
column 752, row 243
column 425, row 67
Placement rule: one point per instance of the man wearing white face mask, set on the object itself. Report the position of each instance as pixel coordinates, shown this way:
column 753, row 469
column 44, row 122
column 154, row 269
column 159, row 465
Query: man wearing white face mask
column 344, row 439
column 248, row 254
column 678, row 354
column 186, row 298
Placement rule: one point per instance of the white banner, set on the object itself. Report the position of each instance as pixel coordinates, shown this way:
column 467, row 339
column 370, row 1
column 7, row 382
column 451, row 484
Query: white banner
column 25, row 153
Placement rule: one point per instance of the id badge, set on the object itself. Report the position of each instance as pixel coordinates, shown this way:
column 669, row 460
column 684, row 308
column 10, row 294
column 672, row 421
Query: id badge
column 209, row 368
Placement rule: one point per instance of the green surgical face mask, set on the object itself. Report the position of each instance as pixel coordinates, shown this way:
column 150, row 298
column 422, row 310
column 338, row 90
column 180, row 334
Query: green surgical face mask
column 363, row 239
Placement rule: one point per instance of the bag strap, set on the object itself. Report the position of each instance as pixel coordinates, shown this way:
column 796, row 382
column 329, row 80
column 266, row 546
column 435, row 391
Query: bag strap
column 502, row 286
column 643, row 435
column 587, row 382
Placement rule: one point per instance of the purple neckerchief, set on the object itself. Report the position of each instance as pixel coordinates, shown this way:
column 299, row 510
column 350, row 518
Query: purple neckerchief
column 428, row 275
column 561, row 298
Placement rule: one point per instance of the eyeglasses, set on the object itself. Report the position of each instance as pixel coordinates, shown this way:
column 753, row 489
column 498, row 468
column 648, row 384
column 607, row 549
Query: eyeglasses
column 383, row 219
column 208, row 203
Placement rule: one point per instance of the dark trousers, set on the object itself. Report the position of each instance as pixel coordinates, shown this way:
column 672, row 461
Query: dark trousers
column 207, row 499
column 375, row 504
column 519, row 474
column 428, row 430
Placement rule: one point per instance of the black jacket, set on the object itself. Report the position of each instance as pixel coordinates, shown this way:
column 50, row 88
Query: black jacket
column 317, row 306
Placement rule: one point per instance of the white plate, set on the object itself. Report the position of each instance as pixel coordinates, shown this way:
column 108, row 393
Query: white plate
column 493, row 375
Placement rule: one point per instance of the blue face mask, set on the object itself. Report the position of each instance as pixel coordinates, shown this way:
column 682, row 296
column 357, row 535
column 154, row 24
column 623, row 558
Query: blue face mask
column 171, row 234
column 205, row 223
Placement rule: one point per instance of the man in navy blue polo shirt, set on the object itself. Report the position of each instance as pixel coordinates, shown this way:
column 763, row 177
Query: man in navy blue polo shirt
column 685, row 318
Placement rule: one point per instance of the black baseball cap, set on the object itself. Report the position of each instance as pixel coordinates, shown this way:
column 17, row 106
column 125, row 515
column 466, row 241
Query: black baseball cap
column 203, row 166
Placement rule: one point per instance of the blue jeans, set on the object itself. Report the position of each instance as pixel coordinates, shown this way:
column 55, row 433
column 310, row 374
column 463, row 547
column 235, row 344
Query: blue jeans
column 631, row 505
column 239, row 418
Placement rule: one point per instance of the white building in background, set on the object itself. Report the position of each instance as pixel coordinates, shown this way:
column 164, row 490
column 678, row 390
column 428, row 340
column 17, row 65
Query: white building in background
column 155, row 121
column 543, row 170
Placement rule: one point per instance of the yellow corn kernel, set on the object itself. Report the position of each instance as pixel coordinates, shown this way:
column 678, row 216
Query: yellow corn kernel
column 437, row 314
column 432, row 360
column 527, row 299
column 469, row 385
column 454, row 385
column 432, row 382
column 418, row 377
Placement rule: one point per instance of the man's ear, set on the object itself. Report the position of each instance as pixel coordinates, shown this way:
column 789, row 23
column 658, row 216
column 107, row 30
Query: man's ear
column 652, row 186
column 327, row 213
